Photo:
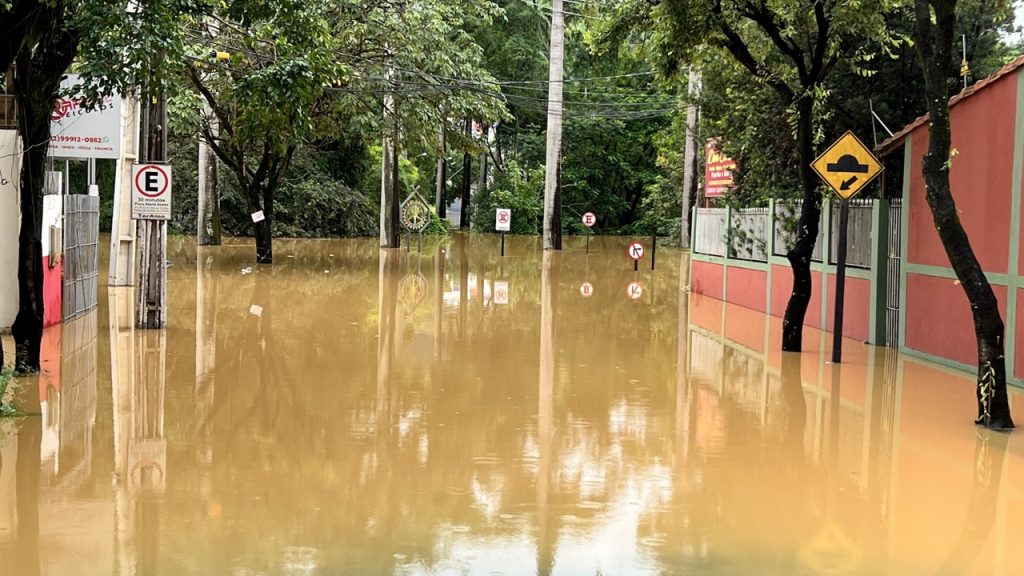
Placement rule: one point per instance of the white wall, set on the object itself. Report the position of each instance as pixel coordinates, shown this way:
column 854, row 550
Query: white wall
column 10, row 176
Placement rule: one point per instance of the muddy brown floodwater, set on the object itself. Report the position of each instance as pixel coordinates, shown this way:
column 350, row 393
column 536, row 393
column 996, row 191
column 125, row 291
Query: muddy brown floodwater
column 350, row 411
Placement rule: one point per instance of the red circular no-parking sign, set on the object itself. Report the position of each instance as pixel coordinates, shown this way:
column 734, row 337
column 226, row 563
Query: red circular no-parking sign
column 152, row 181
column 636, row 250
column 589, row 219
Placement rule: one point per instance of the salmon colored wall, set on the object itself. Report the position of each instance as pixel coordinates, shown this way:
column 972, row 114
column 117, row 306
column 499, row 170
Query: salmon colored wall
column 706, row 312
column 981, row 178
column 782, row 286
column 939, row 318
column 745, row 326
column 706, row 279
column 52, row 279
column 746, row 287
column 856, row 307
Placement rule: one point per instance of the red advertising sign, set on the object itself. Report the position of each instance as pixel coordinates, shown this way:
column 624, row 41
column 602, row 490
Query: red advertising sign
column 718, row 171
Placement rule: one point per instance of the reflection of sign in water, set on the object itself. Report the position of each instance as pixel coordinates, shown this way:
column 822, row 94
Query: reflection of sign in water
column 415, row 213
column 500, row 292
column 847, row 166
column 151, row 192
column 586, row 289
column 831, row 552
column 412, row 290
column 79, row 133
column 147, row 460
column 635, row 250
column 718, row 171
column 635, row 291
column 503, row 220
column 589, row 219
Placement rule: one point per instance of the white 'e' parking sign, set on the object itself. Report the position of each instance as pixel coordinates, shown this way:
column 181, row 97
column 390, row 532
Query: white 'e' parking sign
column 151, row 192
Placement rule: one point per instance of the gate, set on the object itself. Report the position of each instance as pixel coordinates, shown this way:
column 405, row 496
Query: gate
column 894, row 266
column 81, row 253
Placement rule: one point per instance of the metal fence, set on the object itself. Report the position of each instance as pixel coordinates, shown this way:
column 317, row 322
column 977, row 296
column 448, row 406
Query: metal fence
column 858, row 234
column 710, row 232
column 894, row 263
column 81, row 253
column 787, row 214
column 748, row 234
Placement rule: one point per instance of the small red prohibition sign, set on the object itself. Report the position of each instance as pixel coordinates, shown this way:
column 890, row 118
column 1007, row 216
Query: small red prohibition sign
column 503, row 216
column 142, row 189
column 589, row 219
column 636, row 250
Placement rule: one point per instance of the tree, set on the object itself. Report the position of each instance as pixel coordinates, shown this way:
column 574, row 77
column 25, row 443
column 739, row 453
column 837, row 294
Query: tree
column 934, row 39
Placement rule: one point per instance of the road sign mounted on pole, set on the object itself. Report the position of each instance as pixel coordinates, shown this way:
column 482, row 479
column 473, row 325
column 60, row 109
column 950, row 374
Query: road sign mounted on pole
column 503, row 220
column 589, row 219
column 151, row 192
column 847, row 166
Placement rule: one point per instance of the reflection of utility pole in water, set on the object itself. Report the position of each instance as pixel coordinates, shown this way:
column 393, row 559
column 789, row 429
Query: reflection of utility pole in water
column 685, row 413
column 206, row 351
column 138, row 364
column 387, row 291
column 438, row 301
column 27, row 468
column 463, row 249
column 546, row 533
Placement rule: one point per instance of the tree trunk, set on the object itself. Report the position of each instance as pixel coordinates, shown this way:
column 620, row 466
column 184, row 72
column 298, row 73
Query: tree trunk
column 934, row 42
column 467, row 179
column 552, row 205
column 799, row 255
column 36, row 89
column 481, row 183
column 689, row 192
column 442, row 175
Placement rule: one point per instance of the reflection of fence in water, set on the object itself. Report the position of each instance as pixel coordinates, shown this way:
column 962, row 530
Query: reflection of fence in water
column 81, row 253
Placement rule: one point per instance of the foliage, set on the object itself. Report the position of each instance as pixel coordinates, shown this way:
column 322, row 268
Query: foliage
column 7, row 389
column 517, row 189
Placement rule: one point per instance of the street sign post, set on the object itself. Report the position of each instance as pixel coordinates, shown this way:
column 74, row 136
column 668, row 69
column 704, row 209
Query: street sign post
column 636, row 252
column 151, row 192
column 847, row 167
column 588, row 219
column 414, row 214
column 503, row 223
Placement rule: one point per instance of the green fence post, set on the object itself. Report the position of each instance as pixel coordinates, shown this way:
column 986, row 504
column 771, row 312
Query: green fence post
column 879, row 271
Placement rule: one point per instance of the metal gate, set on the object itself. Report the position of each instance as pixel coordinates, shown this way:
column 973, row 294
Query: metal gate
column 894, row 266
column 81, row 253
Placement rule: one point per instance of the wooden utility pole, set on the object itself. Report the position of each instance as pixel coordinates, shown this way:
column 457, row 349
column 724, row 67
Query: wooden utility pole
column 442, row 174
column 552, row 203
column 390, row 236
column 467, row 179
column 151, row 242
column 689, row 194
column 208, row 213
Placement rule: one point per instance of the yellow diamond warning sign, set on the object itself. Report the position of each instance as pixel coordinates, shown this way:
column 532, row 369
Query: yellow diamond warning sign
column 847, row 166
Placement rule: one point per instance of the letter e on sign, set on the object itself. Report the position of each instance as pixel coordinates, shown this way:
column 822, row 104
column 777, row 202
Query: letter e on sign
column 151, row 192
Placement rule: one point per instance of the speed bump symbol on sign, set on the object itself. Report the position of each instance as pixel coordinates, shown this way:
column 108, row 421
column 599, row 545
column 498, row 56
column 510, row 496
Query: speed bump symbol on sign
column 847, row 166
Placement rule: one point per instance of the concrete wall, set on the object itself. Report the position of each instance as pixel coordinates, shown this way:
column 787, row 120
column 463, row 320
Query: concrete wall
column 10, row 176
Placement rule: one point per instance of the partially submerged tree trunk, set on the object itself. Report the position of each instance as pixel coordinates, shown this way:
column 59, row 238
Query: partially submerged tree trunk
column 934, row 42
column 799, row 255
column 39, row 75
column 208, row 228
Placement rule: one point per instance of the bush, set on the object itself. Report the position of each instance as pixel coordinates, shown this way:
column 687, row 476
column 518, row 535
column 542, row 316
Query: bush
column 518, row 190
column 6, row 390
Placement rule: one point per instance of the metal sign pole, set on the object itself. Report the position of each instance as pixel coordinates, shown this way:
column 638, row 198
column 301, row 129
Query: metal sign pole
column 587, row 234
column 837, row 324
column 654, row 248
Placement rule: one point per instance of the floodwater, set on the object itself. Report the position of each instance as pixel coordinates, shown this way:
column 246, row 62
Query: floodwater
column 356, row 412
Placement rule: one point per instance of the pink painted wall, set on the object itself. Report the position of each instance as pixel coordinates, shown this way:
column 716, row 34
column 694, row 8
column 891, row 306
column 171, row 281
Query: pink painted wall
column 747, row 288
column 856, row 307
column 706, row 279
column 782, row 286
column 981, row 179
column 939, row 318
column 52, row 286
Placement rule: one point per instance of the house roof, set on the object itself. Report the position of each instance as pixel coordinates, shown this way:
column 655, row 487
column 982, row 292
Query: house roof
column 894, row 141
